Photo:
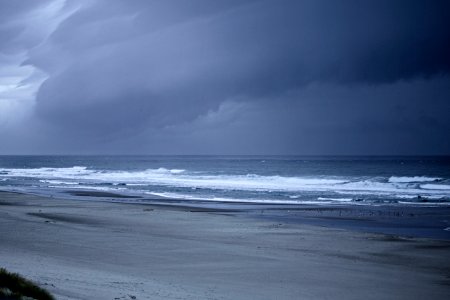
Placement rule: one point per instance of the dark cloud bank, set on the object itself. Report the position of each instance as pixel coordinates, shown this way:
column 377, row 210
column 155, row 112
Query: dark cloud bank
column 230, row 77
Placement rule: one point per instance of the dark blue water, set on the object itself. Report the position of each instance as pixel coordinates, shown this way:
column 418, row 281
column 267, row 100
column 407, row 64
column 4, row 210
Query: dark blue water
column 254, row 179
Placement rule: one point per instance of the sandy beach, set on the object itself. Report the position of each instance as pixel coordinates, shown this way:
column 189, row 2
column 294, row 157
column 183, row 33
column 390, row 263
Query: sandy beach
column 101, row 250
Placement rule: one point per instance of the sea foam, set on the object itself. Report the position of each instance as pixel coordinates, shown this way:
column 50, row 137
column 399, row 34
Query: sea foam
column 396, row 187
column 404, row 179
column 430, row 186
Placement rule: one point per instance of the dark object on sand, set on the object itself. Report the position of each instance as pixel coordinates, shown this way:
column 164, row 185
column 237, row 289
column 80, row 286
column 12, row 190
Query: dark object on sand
column 14, row 286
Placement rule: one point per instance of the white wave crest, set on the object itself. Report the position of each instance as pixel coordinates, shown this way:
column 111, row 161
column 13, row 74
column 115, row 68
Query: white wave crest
column 335, row 199
column 87, row 187
column 404, row 179
column 72, row 172
column 222, row 199
column 430, row 186
column 164, row 170
column 431, row 204
column 59, row 182
column 180, row 178
column 320, row 200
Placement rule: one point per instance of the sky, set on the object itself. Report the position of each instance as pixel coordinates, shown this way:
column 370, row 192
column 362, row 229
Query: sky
column 225, row 77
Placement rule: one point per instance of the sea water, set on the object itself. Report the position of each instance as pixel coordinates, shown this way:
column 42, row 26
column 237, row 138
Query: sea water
column 252, row 179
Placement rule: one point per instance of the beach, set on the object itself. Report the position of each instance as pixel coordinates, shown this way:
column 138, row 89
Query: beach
column 224, row 150
column 79, row 249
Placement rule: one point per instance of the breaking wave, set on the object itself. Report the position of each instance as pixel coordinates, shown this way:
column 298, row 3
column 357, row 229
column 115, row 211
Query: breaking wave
column 294, row 186
column 435, row 186
column 403, row 179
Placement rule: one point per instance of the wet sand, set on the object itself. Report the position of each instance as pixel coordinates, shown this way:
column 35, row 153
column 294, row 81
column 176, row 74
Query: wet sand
column 103, row 250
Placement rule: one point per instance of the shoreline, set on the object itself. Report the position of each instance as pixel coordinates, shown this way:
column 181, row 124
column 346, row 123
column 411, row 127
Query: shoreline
column 103, row 250
column 399, row 220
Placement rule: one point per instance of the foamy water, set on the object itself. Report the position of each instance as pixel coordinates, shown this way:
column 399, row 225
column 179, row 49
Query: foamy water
column 255, row 181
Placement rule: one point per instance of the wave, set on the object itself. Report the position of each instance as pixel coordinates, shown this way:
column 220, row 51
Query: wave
column 59, row 182
column 405, row 196
column 89, row 187
column 403, row 179
column 435, row 186
column 176, row 177
column 72, row 172
column 425, row 203
column 164, row 170
column 83, row 172
column 320, row 200
column 335, row 199
column 231, row 200
column 181, row 178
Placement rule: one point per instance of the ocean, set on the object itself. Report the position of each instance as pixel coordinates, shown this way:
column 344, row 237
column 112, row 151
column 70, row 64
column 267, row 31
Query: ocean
column 400, row 181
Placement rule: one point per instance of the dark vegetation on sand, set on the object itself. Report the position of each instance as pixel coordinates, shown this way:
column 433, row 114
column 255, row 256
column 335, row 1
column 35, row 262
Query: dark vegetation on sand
column 14, row 286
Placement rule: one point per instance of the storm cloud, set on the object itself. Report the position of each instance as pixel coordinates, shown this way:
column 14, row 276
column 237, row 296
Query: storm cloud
column 225, row 77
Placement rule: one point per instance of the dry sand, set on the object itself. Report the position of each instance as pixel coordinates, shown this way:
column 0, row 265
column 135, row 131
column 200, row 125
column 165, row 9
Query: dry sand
column 100, row 250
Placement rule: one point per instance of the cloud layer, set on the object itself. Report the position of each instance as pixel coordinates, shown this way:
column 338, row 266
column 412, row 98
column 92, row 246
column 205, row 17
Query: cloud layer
column 297, row 77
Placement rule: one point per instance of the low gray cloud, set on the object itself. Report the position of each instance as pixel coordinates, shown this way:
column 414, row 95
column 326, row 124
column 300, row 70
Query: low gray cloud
column 235, row 76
